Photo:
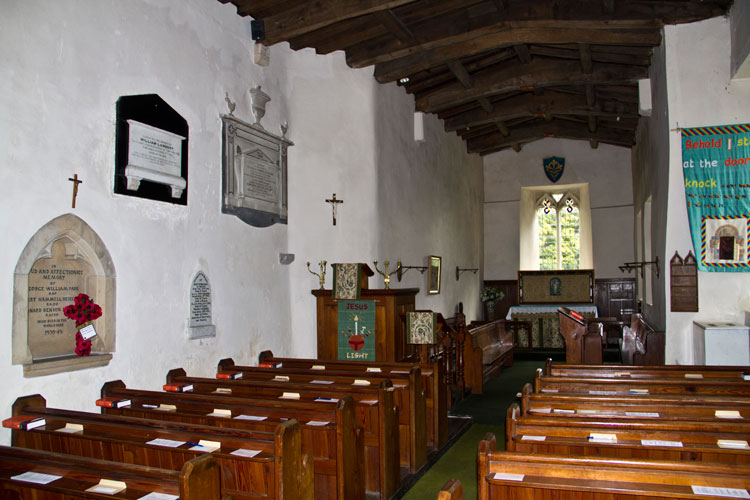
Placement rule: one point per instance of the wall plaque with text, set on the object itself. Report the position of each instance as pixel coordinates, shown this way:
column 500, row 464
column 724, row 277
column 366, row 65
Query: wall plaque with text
column 254, row 173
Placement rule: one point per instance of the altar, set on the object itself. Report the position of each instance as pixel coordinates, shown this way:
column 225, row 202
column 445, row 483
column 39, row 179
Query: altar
column 545, row 324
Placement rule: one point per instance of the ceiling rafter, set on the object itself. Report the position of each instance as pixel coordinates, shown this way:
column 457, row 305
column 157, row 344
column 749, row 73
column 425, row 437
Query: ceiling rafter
column 499, row 73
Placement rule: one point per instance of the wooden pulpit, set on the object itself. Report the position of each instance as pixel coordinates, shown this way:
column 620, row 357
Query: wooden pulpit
column 583, row 342
column 390, row 331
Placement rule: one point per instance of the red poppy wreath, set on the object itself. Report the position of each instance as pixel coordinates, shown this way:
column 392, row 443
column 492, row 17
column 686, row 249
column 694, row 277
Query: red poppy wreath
column 83, row 311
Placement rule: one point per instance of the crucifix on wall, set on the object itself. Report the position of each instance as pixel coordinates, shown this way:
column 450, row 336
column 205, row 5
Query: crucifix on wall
column 76, row 181
column 334, row 202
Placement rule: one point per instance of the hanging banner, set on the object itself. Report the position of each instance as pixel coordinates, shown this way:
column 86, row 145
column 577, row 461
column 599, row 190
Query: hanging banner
column 716, row 166
column 356, row 330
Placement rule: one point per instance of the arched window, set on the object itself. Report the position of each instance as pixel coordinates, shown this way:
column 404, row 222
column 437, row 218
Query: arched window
column 559, row 231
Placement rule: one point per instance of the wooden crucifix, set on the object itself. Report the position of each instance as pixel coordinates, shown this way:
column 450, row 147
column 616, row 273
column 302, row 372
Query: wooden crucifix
column 76, row 181
column 333, row 201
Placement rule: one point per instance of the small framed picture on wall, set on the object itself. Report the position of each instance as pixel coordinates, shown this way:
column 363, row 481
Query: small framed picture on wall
column 433, row 275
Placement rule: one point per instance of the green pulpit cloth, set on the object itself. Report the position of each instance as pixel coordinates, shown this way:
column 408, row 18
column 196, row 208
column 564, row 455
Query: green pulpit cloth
column 356, row 330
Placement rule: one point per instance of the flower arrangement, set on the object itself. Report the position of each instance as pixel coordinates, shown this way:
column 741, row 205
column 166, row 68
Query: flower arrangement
column 83, row 311
column 491, row 294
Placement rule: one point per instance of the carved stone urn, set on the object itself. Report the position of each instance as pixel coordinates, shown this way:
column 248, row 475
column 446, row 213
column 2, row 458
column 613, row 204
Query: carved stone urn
column 258, row 100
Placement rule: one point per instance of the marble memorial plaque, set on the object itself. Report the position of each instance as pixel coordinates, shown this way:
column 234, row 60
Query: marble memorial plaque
column 54, row 282
column 151, row 150
column 200, row 308
column 254, row 173
column 154, row 155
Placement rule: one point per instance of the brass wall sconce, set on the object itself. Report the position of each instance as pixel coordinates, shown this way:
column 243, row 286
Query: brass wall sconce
column 459, row 271
column 629, row 266
column 401, row 270
column 385, row 274
column 322, row 275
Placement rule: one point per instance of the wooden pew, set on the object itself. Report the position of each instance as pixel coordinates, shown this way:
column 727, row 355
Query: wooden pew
column 674, row 407
column 280, row 471
column 408, row 396
column 523, row 475
column 626, row 385
column 337, row 447
column 452, row 490
column 736, row 373
column 583, row 340
column 433, row 383
column 489, row 347
column 634, row 439
column 376, row 413
column 198, row 479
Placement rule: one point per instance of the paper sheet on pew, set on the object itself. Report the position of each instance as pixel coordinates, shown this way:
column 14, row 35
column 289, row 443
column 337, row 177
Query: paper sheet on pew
column 327, row 400
column 693, row 375
column 218, row 412
column 656, row 442
column 223, row 390
column 746, row 376
column 250, row 417
column 603, row 393
column 641, row 414
column 721, row 492
column 321, row 381
column 368, row 402
column 533, row 438
column 638, row 391
column 732, row 443
column 168, row 443
column 561, row 410
column 359, row 381
column 280, row 378
column 399, row 371
column 596, row 437
column 245, row 453
column 318, row 367
column 166, row 407
column 505, row 476
column 159, row 496
column 374, row 369
column 317, row 423
column 35, row 477
column 289, row 395
column 70, row 428
column 206, row 446
column 727, row 414
column 541, row 410
column 108, row 487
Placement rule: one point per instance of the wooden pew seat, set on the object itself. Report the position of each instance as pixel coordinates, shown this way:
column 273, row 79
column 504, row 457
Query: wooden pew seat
column 198, row 479
column 491, row 347
column 525, row 475
column 336, row 446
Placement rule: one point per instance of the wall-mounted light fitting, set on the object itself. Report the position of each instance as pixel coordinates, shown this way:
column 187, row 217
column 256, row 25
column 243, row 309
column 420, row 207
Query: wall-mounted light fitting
column 459, row 271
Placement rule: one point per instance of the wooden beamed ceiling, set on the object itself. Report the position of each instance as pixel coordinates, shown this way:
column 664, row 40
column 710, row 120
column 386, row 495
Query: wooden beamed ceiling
column 500, row 73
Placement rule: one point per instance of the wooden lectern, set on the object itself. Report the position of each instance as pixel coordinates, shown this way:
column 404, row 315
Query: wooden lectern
column 583, row 345
column 390, row 331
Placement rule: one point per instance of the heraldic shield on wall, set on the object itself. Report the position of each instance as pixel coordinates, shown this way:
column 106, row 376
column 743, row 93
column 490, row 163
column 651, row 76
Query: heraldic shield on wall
column 553, row 168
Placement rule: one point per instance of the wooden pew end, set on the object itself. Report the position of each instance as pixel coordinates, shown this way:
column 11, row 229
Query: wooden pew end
column 175, row 373
column 225, row 364
column 265, row 355
column 452, row 490
column 23, row 401
column 112, row 384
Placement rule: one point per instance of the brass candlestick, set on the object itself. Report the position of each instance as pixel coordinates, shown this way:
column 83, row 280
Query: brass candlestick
column 386, row 275
column 322, row 275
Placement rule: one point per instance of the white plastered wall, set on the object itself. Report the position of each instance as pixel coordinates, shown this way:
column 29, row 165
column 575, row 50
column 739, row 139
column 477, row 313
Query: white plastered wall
column 606, row 169
column 701, row 93
column 63, row 65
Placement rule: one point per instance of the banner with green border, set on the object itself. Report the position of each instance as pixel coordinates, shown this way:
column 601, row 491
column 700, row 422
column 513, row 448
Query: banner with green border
column 356, row 330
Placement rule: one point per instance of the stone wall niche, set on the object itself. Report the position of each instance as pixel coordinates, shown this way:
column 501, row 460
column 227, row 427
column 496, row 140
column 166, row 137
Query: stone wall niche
column 64, row 258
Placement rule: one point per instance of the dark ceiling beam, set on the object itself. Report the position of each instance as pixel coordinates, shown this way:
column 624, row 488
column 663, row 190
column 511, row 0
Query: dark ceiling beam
column 585, row 54
column 459, row 71
column 391, row 21
column 486, row 105
column 537, row 74
column 527, row 104
column 523, row 52
column 310, row 16
column 395, row 65
column 638, row 56
column 496, row 140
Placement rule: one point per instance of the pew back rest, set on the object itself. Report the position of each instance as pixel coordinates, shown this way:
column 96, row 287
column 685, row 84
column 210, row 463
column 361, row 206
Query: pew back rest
column 652, row 341
column 489, row 334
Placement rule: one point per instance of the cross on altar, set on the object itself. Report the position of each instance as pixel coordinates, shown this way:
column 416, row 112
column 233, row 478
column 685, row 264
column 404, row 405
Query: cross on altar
column 333, row 201
column 76, row 182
